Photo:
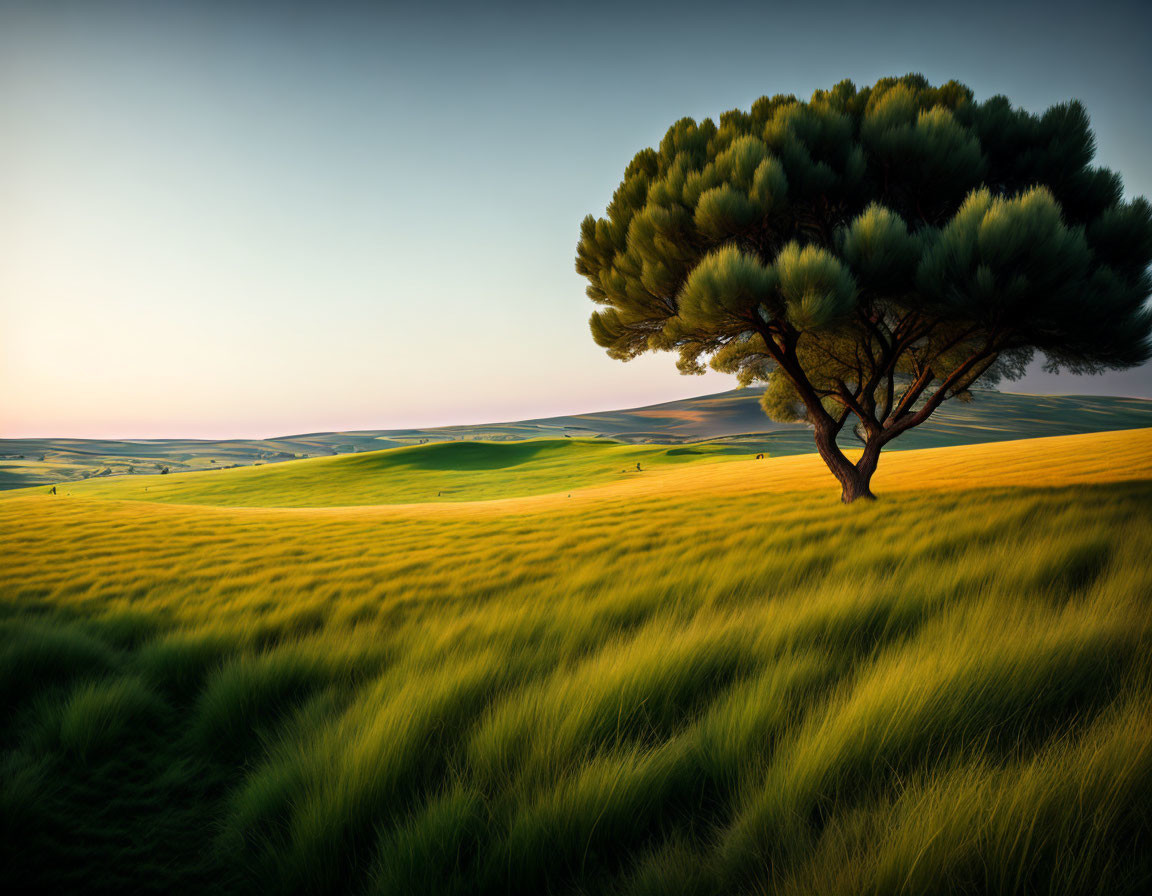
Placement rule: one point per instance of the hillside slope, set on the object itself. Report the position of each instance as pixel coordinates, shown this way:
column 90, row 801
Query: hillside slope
column 712, row 679
column 579, row 469
column 731, row 419
column 442, row 471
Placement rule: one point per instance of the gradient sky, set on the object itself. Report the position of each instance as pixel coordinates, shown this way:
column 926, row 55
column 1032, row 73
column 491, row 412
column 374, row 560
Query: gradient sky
column 240, row 219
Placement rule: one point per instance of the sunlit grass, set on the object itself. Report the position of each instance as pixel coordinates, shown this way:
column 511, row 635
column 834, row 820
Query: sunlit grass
column 703, row 678
column 438, row 472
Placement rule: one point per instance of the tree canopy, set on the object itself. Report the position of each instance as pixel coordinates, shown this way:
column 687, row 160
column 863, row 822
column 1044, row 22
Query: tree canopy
column 871, row 253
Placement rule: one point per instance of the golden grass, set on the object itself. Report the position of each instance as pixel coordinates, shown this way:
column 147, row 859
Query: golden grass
column 711, row 677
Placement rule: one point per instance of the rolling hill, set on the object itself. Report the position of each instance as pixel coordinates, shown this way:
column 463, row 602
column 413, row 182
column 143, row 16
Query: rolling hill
column 472, row 472
column 440, row 471
column 731, row 420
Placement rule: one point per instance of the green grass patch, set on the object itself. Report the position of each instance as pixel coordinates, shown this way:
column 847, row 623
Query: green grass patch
column 438, row 472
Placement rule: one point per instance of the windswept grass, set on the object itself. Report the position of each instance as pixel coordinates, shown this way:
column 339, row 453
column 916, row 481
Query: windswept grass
column 705, row 678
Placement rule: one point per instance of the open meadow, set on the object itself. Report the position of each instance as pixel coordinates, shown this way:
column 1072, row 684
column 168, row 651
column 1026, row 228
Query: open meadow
column 530, row 667
column 725, row 423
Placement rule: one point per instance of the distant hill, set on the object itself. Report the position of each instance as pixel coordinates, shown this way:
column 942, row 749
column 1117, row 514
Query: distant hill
column 732, row 421
column 437, row 472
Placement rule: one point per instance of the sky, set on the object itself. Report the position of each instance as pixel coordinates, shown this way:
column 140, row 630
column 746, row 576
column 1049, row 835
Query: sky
column 242, row 219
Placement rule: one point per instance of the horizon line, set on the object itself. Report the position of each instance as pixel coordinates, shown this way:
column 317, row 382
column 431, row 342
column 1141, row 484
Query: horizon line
column 504, row 422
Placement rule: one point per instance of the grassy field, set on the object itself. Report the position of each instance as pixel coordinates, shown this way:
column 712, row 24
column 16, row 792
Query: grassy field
column 727, row 421
column 444, row 471
column 705, row 677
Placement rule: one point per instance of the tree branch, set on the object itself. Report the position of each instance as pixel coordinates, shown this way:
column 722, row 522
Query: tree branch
column 985, row 355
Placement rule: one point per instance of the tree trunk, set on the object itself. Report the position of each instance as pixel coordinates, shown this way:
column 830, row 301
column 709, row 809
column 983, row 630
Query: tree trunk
column 857, row 486
column 865, row 467
column 854, row 479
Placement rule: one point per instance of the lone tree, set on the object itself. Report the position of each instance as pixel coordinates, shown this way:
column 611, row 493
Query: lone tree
column 872, row 253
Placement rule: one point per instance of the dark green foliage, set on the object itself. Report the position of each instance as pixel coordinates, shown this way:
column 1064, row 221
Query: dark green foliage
column 250, row 694
column 871, row 253
column 100, row 716
column 36, row 656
